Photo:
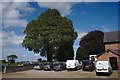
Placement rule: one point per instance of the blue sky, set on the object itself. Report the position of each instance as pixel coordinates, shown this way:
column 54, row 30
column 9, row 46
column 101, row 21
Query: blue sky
column 85, row 16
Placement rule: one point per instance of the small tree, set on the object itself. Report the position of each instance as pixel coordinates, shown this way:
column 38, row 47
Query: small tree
column 11, row 58
column 81, row 54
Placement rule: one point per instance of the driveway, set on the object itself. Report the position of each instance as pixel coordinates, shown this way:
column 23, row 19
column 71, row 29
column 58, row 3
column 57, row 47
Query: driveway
column 58, row 74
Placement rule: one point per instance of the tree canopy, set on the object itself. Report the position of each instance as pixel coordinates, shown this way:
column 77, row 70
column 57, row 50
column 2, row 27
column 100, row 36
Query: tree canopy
column 93, row 42
column 11, row 58
column 48, row 34
column 81, row 54
column 39, row 60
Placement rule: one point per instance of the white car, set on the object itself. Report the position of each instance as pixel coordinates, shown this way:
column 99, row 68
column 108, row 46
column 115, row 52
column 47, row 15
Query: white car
column 103, row 67
column 38, row 66
column 72, row 64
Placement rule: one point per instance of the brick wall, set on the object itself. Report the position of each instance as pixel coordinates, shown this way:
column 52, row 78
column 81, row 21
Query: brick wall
column 114, row 46
column 106, row 55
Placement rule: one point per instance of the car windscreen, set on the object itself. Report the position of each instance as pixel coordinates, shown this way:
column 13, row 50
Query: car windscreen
column 86, row 62
column 56, row 64
column 36, row 64
column 102, row 64
column 46, row 64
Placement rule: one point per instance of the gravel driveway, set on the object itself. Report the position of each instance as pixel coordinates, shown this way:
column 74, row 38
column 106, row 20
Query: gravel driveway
column 58, row 74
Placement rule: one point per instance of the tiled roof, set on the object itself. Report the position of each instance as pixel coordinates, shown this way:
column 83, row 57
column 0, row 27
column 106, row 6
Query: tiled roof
column 113, row 36
column 117, row 52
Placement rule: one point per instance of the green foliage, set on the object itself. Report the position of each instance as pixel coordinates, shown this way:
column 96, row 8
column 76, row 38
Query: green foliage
column 48, row 32
column 93, row 42
column 81, row 54
column 65, row 52
column 15, row 64
column 2, row 61
column 39, row 60
column 11, row 58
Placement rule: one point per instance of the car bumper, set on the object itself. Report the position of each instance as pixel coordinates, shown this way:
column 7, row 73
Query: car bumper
column 47, row 69
column 57, row 69
column 88, row 68
column 37, row 68
column 68, row 67
column 103, row 71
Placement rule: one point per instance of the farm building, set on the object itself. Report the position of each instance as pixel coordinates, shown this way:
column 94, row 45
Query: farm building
column 112, row 49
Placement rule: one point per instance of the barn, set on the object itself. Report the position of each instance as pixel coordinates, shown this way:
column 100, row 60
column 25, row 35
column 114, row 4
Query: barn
column 112, row 49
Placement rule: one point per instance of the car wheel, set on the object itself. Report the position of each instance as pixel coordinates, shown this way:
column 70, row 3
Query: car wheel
column 97, row 74
column 83, row 69
column 109, row 73
column 68, row 70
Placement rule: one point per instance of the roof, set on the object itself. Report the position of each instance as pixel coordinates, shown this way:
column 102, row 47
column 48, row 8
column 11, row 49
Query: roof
column 110, row 37
column 117, row 52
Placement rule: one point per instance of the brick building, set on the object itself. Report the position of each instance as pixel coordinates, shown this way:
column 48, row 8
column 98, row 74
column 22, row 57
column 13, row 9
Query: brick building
column 112, row 49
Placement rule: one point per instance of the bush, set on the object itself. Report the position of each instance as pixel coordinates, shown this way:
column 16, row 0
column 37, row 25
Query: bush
column 14, row 64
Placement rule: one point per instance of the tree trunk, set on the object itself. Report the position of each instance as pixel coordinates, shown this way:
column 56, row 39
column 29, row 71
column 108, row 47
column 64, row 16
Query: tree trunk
column 49, row 54
column 49, row 57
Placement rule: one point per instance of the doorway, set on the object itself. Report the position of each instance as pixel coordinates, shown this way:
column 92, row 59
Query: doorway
column 113, row 62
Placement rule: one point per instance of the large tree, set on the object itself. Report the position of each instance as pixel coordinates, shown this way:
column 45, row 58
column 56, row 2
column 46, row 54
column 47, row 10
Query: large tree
column 48, row 33
column 93, row 42
column 11, row 58
column 81, row 54
column 39, row 60
column 65, row 52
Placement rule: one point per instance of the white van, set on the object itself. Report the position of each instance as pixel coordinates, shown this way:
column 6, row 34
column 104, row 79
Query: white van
column 72, row 64
column 103, row 67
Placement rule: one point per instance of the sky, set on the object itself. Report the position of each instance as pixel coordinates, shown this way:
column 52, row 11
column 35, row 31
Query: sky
column 86, row 17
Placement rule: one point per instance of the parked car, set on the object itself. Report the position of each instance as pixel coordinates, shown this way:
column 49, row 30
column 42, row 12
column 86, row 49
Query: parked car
column 80, row 64
column 59, row 66
column 103, row 67
column 47, row 66
column 72, row 65
column 87, row 65
column 38, row 66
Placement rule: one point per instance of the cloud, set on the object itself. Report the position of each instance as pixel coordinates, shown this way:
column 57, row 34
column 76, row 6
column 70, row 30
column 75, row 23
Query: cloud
column 105, row 28
column 10, row 50
column 80, row 33
column 11, row 45
column 28, row 56
column 0, row 29
column 23, row 54
column 76, row 43
column 83, row 12
column 12, row 13
column 64, row 8
column 37, row 54
column 10, row 38
column 0, row 13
